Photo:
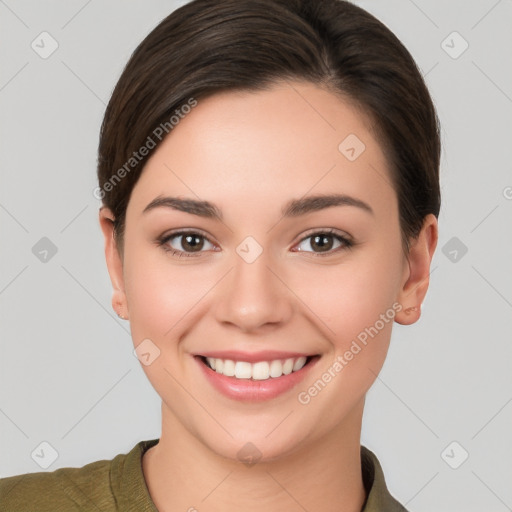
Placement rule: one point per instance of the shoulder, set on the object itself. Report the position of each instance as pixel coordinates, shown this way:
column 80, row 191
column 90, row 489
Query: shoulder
column 378, row 496
column 63, row 490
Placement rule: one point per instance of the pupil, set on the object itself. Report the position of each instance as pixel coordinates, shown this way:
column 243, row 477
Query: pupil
column 193, row 242
column 322, row 242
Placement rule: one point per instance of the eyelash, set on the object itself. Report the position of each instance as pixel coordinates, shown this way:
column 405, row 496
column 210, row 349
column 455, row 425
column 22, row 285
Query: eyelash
column 345, row 241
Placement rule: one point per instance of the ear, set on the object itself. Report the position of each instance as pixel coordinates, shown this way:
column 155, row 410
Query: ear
column 416, row 276
column 114, row 263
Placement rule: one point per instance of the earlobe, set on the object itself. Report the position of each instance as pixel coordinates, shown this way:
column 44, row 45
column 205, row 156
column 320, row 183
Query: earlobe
column 417, row 274
column 114, row 263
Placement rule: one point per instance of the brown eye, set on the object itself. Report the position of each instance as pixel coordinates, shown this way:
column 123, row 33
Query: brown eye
column 323, row 242
column 192, row 243
column 186, row 243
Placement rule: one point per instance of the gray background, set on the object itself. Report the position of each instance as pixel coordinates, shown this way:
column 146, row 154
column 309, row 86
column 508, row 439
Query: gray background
column 68, row 376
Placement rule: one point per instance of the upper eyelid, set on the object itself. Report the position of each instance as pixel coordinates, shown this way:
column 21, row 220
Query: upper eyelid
column 327, row 231
column 185, row 231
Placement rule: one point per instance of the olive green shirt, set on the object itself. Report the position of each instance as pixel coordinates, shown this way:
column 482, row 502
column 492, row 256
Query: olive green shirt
column 118, row 484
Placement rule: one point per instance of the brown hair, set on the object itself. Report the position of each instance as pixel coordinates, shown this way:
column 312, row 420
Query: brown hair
column 207, row 46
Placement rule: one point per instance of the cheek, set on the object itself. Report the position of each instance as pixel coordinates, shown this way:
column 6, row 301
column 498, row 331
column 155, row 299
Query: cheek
column 354, row 300
column 163, row 302
column 160, row 294
column 349, row 297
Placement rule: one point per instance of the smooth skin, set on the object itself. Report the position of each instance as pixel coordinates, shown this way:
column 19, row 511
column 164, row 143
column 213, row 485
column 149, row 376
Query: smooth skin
column 250, row 153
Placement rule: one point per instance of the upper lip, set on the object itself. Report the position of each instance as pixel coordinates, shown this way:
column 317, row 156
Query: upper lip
column 252, row 357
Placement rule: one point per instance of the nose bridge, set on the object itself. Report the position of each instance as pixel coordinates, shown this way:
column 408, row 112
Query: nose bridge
column 252, row 296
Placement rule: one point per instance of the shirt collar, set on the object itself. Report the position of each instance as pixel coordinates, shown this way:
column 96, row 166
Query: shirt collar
column 378, row 498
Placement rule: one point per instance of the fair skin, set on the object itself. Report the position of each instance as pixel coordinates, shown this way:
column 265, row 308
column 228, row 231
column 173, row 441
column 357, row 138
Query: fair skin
column 250, row 154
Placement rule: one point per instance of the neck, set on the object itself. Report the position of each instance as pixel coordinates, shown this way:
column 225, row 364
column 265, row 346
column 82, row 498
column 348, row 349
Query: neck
column 183, row 474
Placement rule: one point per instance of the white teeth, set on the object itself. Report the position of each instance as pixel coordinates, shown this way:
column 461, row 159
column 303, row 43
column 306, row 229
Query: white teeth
column 288, row 366
column 229, row 368
column 243, row 370
column 262, row 370
column 299, row 363
column 276, row 368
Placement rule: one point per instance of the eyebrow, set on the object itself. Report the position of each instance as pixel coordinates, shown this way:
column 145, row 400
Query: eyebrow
column 193, row 206
column 314, row 203
column 293, row 208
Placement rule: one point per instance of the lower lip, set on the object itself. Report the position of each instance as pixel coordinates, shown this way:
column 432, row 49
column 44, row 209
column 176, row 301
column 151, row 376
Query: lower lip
column 249, row 390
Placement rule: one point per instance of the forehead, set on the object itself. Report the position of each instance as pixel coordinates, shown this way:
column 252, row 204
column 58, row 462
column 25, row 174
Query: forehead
column 289, row 140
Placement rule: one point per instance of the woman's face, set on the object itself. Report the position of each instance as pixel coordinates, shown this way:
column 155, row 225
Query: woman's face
column 264, row 272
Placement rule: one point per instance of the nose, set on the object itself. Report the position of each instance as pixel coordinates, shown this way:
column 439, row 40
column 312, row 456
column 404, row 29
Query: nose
column 252, row 297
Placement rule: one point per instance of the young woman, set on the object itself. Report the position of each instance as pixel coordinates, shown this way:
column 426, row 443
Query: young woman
column 269, row 172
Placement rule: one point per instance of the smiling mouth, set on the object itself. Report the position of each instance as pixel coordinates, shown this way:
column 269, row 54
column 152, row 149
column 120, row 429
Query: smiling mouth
column 260, row 371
